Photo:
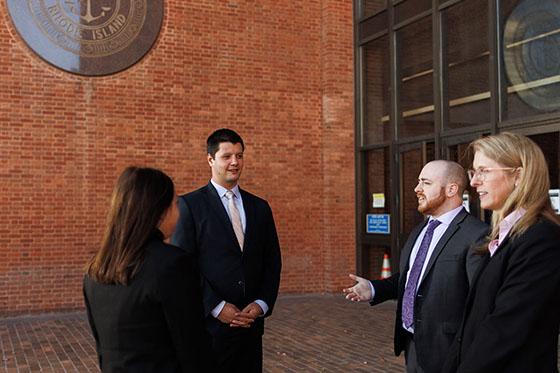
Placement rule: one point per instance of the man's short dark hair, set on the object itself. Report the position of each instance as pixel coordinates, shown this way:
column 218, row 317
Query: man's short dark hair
column 222, row 135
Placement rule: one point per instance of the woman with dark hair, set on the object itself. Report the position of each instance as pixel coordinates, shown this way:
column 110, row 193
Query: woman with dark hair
column 512, row 312
column 141, row 294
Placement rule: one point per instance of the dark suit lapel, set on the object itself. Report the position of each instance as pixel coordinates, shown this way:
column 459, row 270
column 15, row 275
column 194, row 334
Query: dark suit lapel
column 407, row 249
column 453, row 227
column 405, row 256
column 470, row 297
column 218, row 208
column 250, row 216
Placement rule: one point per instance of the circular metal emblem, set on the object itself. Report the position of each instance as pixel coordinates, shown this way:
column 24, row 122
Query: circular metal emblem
column 88, row 37
column 532, row 53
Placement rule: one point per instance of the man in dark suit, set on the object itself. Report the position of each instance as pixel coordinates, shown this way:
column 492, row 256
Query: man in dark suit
column 232, row 233
column 435, row 270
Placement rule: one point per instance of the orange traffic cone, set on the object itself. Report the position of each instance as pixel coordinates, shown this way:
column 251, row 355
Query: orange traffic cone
column 386, row 267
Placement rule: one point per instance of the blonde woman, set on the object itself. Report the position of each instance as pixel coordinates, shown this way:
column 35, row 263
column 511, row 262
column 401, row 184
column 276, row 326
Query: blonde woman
column 513, row 309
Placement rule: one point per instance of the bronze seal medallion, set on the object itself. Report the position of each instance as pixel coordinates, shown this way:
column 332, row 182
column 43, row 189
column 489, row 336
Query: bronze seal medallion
column 531, row 48
column 88, row 37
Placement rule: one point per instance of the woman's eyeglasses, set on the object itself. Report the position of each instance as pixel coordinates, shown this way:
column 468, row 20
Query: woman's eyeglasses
column 480, row 173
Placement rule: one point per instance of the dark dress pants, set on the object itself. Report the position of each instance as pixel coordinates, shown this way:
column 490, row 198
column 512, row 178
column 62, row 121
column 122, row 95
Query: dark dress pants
column 410, row 355
column 239, row 352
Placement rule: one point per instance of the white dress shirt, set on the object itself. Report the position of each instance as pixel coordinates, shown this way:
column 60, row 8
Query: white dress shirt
column 445, row 220
column 239, row 204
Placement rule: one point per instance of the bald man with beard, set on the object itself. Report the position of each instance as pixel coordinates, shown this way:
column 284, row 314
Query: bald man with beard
column 437, row 264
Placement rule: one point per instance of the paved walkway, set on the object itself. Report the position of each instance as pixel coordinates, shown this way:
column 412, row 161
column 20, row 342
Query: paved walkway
column 326, row 333
column 311, row 333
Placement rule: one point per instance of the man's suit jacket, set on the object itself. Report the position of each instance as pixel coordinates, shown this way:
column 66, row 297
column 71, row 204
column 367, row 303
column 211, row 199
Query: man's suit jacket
column 227, row 273
column 513, row 309
column 442, row 292
column 155, row 323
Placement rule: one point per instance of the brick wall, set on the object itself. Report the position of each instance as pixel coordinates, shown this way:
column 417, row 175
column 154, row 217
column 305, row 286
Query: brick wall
column 281, row 73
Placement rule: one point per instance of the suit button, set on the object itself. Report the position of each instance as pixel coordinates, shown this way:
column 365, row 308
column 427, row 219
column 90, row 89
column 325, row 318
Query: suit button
column 459, row 339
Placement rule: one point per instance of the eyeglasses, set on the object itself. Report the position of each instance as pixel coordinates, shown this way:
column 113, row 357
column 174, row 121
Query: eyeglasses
column 481, row 173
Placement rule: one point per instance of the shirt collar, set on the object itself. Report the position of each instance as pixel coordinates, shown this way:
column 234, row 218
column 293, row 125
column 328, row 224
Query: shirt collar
column 508, row 223
column 448, row 217
column 504, row 228
column 222, row 191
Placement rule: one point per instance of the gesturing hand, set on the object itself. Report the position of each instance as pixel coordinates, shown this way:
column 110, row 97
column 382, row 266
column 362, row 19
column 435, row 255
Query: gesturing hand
column 361, row 292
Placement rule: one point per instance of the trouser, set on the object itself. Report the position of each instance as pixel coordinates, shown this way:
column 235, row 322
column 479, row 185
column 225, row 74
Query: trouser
column 410, row 355
column 240, row 352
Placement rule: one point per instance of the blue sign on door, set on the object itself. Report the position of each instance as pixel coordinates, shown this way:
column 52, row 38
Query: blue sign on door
column 378, row 223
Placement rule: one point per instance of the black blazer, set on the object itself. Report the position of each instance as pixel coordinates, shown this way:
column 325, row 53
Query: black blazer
column 154, row 324
column 442, row 291
column 240, row 278
column 513, row 310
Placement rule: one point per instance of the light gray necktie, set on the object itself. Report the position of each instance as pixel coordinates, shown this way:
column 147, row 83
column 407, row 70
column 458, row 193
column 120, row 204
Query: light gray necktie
column 235, row 218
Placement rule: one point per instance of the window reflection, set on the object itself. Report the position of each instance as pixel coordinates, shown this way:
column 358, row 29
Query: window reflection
column 416, row 78
column 376, row 91
column 468, row 61
column 412, row 162
column 370, row 7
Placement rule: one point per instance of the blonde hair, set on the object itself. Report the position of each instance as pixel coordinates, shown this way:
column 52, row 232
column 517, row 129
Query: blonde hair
column 531, row 191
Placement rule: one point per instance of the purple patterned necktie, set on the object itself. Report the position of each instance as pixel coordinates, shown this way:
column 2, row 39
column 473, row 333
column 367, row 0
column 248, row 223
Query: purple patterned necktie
column 414, row 276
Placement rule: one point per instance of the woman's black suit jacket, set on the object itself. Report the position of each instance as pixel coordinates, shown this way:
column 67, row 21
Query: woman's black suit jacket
column 155, row 324
column 513, row 309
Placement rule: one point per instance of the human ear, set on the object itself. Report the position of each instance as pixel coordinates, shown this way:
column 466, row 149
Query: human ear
column 452, row 189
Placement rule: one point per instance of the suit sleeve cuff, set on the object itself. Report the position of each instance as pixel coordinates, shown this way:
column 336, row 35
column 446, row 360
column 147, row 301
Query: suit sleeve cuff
column 216, row 311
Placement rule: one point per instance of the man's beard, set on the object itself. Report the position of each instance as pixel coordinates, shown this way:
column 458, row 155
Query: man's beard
column 429, row 206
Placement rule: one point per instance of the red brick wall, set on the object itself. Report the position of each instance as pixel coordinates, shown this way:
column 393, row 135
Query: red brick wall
column 279, row 72
column 337, row 153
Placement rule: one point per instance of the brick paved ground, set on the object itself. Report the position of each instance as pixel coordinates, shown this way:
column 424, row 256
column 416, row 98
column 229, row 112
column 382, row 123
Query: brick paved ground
column 326, row 333
column 312, row 333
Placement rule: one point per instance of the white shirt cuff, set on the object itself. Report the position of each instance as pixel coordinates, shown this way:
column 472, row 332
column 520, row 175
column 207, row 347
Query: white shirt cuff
column 263, row 305
column 216, row 311
column 372, row 291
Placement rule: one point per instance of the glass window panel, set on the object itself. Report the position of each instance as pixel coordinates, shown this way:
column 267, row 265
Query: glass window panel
column 461, row 154
column 378, row 178
column 531, row 56
column 468, row 62
column 430, row 152
column 377, row 104
column 370, row 7
column 412, row 164
column 374, row 260
column 548, row 142
column 416, row 78
column 377, row 166
column 411, row 8
column 373, row 25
